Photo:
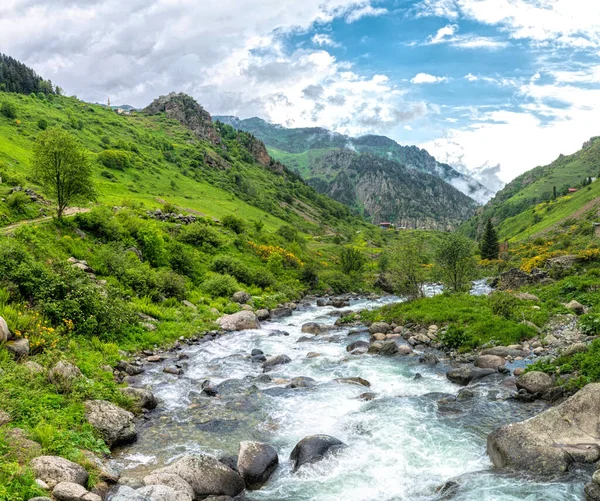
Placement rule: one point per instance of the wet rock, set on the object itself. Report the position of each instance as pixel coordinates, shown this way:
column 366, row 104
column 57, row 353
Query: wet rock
column 241, row 297
column 258, row 359
column 535, row 382
column 125, row 493
column 339, row 303
column 504, row 352
column 313, row 354
column 256, row 462
column 230, row 461
column 275, row 361
column 54, row 470
column 130, row 369
column 18, row 348
column 281, row 312
column 367, row 397
column 464, row 375
column 551, row 441
column 69, row 491
column 312, row 328
column 206, row 476
column 592, row 492
column 301, row 382
column 175, row 371
column 518, row 371
column 263, row 315
column 278, row 333
column 114, row 424
column 428, row 358
column 314, row 448
column 388, row 349
column 379, row 327
column 448, row 490
column 576, row 307
column 63, row 374
column 353, row 380
column 321, row 302
column 154, row 359
column 490, row 362
column 106, row 473
column 239, row 321
column 357, row 344
column 164, row 493
column 404, row 349
column 144, row 398
column 5, row 333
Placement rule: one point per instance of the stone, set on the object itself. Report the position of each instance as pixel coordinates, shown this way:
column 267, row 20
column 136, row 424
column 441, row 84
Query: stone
column 69, row 491
column 22, row 448
column 592, row 492
column 314, row 448
column 313, row 354
column 535, row 382
column 490, row 362
column 125, row 493
column 115, row 425
column 5, row 333
column 164, row 493
column 54, row 470
column 63, row 374
column 574, row 348
column 464, row 375
column 176, row 371
column 263, row 315
column 106, row 472
column 281, row 312
column 144, row 398
column 575, row 307
column 155, row 359
column 404, row 349
column 206, row 476
column 189, row 304
column 379, row 327
column 242, row 320
column 388, row 348
column 357, row 344
column 4, row 418
column 526, row 296
column 367, row 397
column 518, row 371
column 550, row 442
column 33, row 367
column 132, row 370
column 275, row 361
column 358, row 381
column 321, row 302
column 256, row 462
column 311, row 328
column 241, row 297
column 504, row 352
column 40, row 498
column 171, row 480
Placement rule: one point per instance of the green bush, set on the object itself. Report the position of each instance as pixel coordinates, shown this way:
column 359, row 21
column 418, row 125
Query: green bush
column 172, row 285
column 220, row 285
column 101, row 222
column 9, row 110
column 337, row 282
column 115, row 159
column 234, row 223
column 17, row 202
column 201, row 236
column 42, row 124
column 503, row 304
column 456, row 337
column 228, row 265
column 590, row 324
column 352, row 260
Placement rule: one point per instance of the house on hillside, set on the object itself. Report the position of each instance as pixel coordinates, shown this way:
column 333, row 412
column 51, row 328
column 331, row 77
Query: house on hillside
column 572, row 190
column 386, row 226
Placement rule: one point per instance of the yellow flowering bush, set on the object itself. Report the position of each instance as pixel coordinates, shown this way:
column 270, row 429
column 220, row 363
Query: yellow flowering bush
column 266, row 251
column 540, row 260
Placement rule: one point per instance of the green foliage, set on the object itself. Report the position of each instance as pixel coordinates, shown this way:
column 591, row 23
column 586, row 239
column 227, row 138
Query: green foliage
column 201, row 236
column 42, row 124
column 408, row 273
column 115, row 159
column 455, row 262
column 351, row 260
column 9, row 110
column 503, row 304
column 337, row 282
column 590, row 324
column 489, row 246
column 17, row 202
column 456, row 337
column 219, row 285
column 234, row 223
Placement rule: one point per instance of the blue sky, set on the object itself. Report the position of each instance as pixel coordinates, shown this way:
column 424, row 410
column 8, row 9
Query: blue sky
column 490, row 86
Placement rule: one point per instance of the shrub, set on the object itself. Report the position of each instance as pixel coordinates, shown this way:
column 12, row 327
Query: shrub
column 337, row 282
column 108, row 175
column 17, row 202
column 101, row 222
column 42, row 124
column 228, row 265
column 201, row 236
column 503, row 304
column 590, row 324
column 115, row 159
column 9, row 110
column 171, row 284
column 288, row 233
column 310, row 276
column 457, row 337
column 351, row 260
column 220, row 285
column 234, row 223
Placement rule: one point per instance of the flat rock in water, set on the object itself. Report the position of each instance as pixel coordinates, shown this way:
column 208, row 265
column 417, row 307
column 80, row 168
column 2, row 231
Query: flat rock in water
column 275, row 361
column 353, row 380
column 170, row 480
column 239, row 321
column 464, row 375
column 164, row 493
column 490, row 362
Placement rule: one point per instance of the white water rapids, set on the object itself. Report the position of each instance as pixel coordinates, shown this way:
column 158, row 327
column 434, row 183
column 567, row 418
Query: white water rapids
column 400, row 446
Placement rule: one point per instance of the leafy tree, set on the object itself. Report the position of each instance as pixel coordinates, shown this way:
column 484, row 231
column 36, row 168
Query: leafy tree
column 408, row 273
column 61, row 165
column 9, row 110
column 455, row 262
column 489, row 246
column 351, row 260
column 234, row 223
column 42, row 124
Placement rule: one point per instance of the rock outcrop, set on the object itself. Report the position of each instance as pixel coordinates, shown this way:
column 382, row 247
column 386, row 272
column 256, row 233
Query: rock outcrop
column 115, row 425
column 239, row 321
column 553, row 440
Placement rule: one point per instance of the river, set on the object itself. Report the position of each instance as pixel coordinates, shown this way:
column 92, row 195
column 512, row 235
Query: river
column 411, row 439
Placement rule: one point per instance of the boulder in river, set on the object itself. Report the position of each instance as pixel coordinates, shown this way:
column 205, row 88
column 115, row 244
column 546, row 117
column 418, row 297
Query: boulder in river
column 69, row 491
column 353, row 380
column 239, row 321
column 388, row 348
column 275, row 361
column 535, row 382
column 464, row 375
column 53, row 470
column 143, row 397
column 263, row 314
column 551, row 441
column 357, row 344
column 164, row 493
column 125, row 493
column 114, row 424
column 490, row 362
column 256, row 462
column 379, row 327
column 175, row 482
column 312, row 328
column 206, row 476
column 281, row 312
column 314, row 448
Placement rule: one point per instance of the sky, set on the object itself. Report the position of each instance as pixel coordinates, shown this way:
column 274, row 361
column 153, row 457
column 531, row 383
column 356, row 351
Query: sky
column 491, row 86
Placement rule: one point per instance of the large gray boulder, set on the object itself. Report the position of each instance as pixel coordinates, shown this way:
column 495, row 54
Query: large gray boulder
column 54, row 470
column 164, row 493
column 239, row 321
column 380, row 327
column 19, row 348
column 535, row 382
column 143, row 397
column 311, row 328
column 69, row 491
column 551, row 441
column 275, row 361
column 241, row 297
column 63, row 374
column 490, row 362
column 116, row 425
column 170, row 480
column 314, row 448
column 464, row 375
column 206, row 475
column 256, row 462
column 125, row 493
column 5, row 333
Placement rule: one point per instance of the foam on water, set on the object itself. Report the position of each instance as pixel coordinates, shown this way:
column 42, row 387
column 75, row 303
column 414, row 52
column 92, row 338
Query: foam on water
column 400, row 447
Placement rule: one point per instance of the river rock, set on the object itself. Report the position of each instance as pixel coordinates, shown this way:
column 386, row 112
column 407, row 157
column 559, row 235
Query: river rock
column 592, row 492
column 171, row 480
column 313, row 354
column 256, row 462
column 4, row 418
column 164, row 493
column 130, row 369
column 206, row 476
column 314, row 448
column 239, row 321
column 464, row 375
column 114, row 424
column 54, row 470
column 404, row 349
column 388, row 349
column 143, row 397
column 5, row 333
column 504, row 352
column 551, row 441
column 281, row 312
column 379, row 327
column 241, row 297
column 275, row 361
column 535, row 382
column 576, row 307
column 19, row 348
column 63, row 374
column 263, row 314
column 125, row 493
column 574, row 348
column 69, row 491
column 490, row 362
column 358, row 381
column 311, row 328
column 357, row 344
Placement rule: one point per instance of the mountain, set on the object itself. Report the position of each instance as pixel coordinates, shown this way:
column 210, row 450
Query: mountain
column 546, row 196
column 293, row 147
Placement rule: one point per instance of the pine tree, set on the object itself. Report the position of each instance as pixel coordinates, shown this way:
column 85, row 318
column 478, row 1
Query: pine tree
column 489, row 246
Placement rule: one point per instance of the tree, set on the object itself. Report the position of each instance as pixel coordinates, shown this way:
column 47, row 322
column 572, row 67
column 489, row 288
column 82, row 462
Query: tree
column 62, row 167
column 351, row 260
column 554, row 196
column 489, row 246
column 408, row 273
column 455, row 262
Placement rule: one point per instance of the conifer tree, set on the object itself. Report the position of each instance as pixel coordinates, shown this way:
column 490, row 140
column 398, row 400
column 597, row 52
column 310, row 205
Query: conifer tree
column 489, row 246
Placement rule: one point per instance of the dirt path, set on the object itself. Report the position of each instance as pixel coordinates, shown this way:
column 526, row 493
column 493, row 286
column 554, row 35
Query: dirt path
column 71, row 211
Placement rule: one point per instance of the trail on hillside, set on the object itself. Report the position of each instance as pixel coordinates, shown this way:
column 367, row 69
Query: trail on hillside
column 71, row 211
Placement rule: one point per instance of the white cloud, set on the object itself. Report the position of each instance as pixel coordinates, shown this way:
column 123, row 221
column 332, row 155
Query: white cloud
column 443, row 33
column 471, row 78
column 448, row 35
column 322, row 39
column 426, row 78
column 366, row 10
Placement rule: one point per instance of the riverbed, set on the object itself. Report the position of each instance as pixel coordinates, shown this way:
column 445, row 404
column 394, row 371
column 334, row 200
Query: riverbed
column 418, row 433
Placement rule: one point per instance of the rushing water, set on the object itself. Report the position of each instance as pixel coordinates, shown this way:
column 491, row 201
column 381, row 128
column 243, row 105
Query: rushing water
column 401, row 446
